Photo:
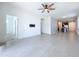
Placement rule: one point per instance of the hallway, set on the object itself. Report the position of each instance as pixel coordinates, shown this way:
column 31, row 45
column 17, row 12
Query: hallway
column 60, row 44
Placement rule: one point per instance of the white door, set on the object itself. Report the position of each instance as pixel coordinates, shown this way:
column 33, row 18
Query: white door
column 11, row 25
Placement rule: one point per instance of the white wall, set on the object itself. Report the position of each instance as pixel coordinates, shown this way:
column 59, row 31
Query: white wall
column 24, row 19
column 2, row 25
column 49, row 25
column 53, row 25
column 24, row 29
column 46, row 25
column 78, row 25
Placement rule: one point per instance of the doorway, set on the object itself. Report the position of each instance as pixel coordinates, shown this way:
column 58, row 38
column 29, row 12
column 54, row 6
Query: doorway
column 66, row 26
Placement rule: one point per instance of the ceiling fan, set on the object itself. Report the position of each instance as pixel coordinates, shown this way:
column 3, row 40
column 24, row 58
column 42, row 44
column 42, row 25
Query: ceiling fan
column 46, row 7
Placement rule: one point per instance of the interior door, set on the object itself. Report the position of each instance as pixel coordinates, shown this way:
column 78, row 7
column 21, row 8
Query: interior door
column 11, row 25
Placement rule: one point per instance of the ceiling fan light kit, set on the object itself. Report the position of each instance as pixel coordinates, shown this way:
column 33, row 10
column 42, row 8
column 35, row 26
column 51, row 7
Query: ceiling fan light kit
column 46, row 7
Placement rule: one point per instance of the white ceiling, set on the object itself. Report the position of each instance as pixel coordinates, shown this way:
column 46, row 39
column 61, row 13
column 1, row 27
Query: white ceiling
column 62, row 8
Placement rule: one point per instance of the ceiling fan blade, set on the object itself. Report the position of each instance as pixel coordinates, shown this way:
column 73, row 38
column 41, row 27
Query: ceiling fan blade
column 40, row 8
column 43, row 5
column 51, row 5
column 43, row 10
column 48, row 11
column 51, row 8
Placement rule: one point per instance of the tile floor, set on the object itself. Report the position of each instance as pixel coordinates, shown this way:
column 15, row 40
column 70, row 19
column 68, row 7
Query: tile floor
column 56, row 45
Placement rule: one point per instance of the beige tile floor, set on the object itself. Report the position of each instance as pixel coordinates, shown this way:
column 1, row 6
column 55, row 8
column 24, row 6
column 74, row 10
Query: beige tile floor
column 57, row 45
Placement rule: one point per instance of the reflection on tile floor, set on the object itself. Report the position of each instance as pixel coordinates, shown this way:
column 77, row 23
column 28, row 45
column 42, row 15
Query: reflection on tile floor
column 58, row 45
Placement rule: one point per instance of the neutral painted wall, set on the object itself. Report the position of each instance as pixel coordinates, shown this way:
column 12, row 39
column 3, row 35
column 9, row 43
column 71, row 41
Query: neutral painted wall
column 72, row 26
column 2, row 25
column 46, row 25
column 59, row 25
column 24, row 19
column 78, row 25
column 49, row 25
column 53, row 25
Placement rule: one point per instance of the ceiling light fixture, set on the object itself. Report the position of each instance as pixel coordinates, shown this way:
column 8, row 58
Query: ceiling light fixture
column 46, row 7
